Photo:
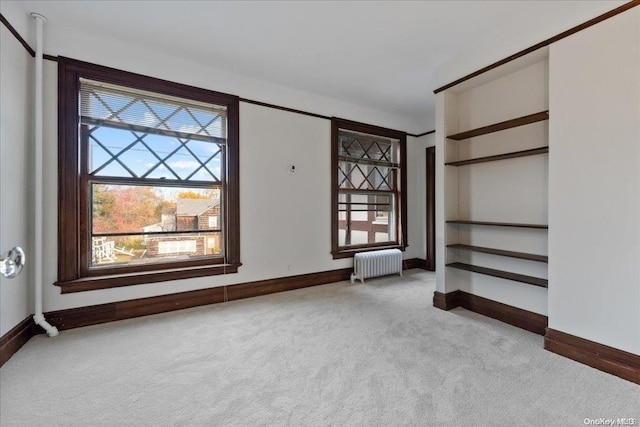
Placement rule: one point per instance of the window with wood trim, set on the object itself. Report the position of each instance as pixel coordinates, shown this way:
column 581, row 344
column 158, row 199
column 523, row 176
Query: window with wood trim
column 368, row 188
column 148, row 179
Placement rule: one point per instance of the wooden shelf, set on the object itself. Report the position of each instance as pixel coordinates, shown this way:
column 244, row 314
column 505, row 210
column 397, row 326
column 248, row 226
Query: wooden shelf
column 536, row 281
column 511, row 254
column 520, row 121
column 524, row 153
column 498, row 224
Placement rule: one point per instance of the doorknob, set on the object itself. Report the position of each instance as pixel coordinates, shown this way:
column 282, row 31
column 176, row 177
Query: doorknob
column 12, row 262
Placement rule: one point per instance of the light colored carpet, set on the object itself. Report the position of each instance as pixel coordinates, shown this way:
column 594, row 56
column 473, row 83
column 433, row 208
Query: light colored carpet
column 376, row 354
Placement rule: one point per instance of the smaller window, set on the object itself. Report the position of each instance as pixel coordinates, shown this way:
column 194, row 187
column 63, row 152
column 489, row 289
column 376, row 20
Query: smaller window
column 213, row 222
column 368, row 188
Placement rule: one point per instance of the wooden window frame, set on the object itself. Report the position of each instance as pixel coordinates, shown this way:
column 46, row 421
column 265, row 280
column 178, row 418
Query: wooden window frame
column 73, row 272
column 338, row 251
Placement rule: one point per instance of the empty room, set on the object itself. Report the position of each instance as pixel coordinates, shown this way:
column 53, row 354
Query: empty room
column 319, row 213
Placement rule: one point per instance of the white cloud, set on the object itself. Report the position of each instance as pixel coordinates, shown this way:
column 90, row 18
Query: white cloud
column 149, row 120
column 184, row 164
column 190, row 129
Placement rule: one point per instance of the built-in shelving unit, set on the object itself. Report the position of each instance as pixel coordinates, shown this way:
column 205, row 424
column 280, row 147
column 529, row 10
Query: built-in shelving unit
column 500, row 252
column 501, row 274
column 495, row 122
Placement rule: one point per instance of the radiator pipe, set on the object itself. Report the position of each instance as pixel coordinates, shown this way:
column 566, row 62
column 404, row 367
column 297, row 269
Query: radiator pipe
column 38, row 317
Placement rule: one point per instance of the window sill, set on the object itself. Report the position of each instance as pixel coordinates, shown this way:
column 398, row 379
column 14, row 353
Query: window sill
column 349, row 253
column 117, row 280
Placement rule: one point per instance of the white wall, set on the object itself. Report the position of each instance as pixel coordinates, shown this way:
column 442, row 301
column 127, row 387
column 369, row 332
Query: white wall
column 16, row 102
column 285, row 220
column 594, row 197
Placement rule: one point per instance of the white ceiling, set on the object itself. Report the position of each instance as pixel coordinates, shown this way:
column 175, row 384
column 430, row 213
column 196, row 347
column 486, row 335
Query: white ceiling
column 384, row 55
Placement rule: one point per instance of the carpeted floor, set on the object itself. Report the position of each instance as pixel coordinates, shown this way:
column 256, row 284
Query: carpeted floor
column 376, row 354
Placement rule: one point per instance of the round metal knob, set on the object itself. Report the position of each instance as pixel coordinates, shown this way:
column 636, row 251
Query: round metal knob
column 12, row 263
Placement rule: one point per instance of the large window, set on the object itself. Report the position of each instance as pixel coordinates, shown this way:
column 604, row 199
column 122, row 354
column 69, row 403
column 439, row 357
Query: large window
column 148, row 179
column 368, row 188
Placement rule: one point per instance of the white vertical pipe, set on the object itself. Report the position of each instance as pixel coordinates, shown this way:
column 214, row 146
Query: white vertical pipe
column 38, row 317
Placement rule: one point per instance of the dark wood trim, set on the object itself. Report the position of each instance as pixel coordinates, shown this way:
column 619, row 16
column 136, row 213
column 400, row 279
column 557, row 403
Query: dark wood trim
column 368, row 128
column 23, row 42
column 447, row 301
column 290, row 110
column 498, row 224
column 13, row 340
column 542, row 44
column 411, row 263
column 521, row 278
column 515, row 316
column 68, row 176
column 422, row 134
column 117, row 280
column 264, row 287
column 17, row 35
column 513, row 155
column 599, row 356
column 501, row 252
column 404, row 192
column 73, row 250
column 334, row 190
column 524, row 319
column 307, row 113
column 508, row 124
column 431, row 208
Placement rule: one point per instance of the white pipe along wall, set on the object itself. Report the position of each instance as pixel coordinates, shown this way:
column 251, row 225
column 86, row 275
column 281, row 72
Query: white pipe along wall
column 38, row 317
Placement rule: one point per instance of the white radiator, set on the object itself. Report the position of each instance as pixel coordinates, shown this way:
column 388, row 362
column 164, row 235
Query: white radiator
column 376, row 263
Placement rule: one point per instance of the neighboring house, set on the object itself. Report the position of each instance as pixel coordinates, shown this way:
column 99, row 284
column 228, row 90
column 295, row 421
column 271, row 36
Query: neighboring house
column 189, row 215
column 167, row 223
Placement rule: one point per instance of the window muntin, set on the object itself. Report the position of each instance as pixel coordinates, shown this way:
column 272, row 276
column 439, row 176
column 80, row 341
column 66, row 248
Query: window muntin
column 361, row 220
column 135, row 133
column 144, row 137
column 367, row 187
column 142, row 132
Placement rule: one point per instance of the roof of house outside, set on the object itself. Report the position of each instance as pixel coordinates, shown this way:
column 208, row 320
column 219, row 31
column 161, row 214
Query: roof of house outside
column 194, row 207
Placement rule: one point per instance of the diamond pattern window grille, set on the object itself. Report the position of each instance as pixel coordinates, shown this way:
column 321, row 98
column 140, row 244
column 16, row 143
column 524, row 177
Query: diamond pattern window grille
column 366, row 162
column 138, row 134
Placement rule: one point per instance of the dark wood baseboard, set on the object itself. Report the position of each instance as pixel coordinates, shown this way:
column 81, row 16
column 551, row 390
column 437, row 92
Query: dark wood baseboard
column 109, row 312
column 446, row 301
column 13, row 340
column 528, row 320
column 408, row 264
column 604, row 358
